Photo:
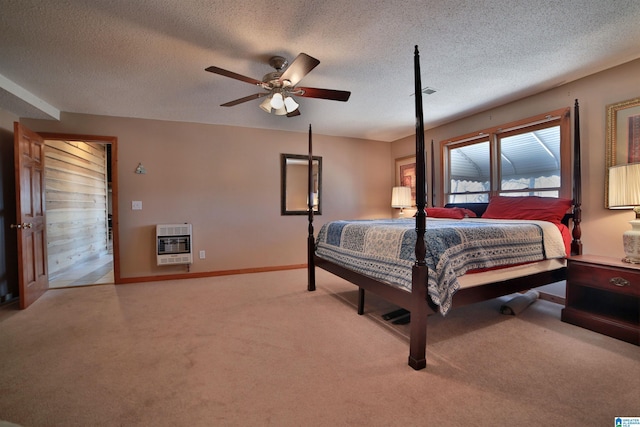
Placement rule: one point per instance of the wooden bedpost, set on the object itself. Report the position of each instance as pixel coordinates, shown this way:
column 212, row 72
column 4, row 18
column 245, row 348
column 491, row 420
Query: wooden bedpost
column 311, row 268
column 576, row 243
column 418, row 326
column 433, row 177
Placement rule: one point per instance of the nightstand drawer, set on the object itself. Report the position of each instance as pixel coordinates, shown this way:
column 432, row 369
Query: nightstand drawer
column 607, row 278
column 603, row 294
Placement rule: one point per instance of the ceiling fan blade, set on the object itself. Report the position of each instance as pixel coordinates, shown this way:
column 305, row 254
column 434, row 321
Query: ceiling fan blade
column 312, row 92
column 233, row 75
column 294, row 113
column 245, row 99
column 299, row 68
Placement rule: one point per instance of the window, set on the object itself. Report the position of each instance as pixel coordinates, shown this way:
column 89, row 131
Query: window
column 531, row 157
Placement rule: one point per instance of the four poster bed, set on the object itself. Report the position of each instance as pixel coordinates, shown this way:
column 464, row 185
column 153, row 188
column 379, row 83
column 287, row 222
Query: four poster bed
column 420, row 266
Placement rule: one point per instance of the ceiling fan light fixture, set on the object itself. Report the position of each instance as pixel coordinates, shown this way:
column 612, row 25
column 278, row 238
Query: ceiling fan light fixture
column 290, row 104
column 277, row 102
column 266, row 105
column 280, row 86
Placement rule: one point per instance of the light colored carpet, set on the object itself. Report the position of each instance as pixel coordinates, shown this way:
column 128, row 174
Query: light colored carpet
column 259, row 350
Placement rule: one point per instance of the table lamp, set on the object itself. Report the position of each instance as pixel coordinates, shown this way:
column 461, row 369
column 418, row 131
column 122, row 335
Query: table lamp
column 624, row 193
column 401, row 198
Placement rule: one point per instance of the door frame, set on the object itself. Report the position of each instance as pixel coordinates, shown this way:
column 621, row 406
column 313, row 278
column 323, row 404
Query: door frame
column 98, row 139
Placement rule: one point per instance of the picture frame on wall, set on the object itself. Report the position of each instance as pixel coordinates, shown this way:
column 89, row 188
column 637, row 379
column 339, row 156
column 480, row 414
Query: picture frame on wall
column 406, row 175
column 623, row 136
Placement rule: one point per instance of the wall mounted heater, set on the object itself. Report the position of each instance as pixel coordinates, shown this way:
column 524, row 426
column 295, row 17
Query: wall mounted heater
column 173, row 244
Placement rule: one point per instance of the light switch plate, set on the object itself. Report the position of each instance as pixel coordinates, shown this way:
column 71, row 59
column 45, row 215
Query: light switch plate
column 136, row 205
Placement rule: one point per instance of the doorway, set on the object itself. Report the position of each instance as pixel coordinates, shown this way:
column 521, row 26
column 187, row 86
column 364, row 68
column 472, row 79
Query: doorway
column 81, row 200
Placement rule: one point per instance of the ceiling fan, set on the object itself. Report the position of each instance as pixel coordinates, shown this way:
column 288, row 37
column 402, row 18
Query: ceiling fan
column 280, row 85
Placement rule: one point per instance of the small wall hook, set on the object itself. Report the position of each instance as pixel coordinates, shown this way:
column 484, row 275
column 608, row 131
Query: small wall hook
column 140, row 169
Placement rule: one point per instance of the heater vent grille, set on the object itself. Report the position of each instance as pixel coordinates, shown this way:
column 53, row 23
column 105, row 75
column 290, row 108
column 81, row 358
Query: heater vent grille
column 173, row 244
column 173, row 229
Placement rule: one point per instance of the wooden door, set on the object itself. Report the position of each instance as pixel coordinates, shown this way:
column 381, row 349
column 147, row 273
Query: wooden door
column 31, row 222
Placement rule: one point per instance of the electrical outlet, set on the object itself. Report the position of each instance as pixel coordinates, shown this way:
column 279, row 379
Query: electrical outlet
column 202, row 255
column 136, row 205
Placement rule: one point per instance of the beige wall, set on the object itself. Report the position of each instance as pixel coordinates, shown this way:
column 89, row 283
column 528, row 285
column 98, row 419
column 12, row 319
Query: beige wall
column 601, row 228
column 226, row 182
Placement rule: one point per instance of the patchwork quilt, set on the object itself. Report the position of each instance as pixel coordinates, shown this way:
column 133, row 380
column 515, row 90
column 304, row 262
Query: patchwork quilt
column 385, row 249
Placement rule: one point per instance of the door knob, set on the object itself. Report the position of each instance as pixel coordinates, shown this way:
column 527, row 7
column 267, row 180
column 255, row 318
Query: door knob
column 23, row 225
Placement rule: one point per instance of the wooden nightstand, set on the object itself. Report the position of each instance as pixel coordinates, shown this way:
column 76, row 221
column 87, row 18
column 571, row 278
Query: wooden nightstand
column 603, row 294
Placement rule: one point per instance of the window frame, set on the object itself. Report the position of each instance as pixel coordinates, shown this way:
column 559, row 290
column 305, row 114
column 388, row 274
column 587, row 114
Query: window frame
column 560, row 117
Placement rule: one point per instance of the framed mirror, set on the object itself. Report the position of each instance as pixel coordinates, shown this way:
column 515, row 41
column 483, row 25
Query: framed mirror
column 294, row 193
column 623, row 137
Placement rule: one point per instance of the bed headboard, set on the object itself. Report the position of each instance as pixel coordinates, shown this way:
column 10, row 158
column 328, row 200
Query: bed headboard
column 477, row 208
column 480, row 208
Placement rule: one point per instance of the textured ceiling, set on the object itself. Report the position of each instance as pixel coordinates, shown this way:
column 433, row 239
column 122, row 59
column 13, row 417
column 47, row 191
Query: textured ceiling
column 146, row 58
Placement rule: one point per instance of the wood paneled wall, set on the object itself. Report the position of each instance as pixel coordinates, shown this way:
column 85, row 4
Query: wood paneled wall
column 76, row 200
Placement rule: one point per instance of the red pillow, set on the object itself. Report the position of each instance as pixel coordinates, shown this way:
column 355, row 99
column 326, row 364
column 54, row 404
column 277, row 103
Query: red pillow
column 453, row 213
column 468, row 213
column 550, row 209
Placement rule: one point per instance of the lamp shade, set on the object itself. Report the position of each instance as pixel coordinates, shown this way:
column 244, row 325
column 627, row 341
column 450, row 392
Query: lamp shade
column 401, row 197
column 624, row 193
column 290, row 104
column 624, row 186
column 277, row 102
column 266, row 105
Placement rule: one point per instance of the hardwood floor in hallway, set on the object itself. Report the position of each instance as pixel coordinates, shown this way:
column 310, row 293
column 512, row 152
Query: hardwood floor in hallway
column 94, row 272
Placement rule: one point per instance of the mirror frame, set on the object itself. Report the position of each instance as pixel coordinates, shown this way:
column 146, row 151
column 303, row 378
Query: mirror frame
column 617, row 114
column 283, row 184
